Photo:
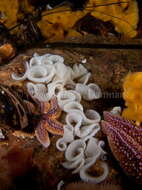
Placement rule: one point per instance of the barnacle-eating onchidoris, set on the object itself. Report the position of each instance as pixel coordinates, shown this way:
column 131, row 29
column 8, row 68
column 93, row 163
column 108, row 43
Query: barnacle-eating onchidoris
column 49, row 77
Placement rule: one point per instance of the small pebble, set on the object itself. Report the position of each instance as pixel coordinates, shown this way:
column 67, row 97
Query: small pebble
column 47, row 45
column 48, row 7
column 2, row 92
column 84, row 61
column 1, row 135
column 60, row 184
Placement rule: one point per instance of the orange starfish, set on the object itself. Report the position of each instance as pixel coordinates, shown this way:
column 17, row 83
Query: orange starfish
column 48, row 123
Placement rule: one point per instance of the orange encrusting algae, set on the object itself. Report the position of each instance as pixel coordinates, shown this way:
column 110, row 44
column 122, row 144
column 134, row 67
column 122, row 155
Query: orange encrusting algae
column 132, row 95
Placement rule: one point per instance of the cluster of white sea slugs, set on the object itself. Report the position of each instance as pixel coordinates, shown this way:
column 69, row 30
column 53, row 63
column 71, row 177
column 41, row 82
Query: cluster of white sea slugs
column 49, row 76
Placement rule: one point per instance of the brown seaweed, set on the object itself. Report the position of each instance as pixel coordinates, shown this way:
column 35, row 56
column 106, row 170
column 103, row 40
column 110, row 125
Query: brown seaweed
column 23, row 120
column 14, row 108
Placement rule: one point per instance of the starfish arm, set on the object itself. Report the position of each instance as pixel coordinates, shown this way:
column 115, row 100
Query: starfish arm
column 118, row 121
column 22, row 134
column 44, row 107
column 124, row 125
column 53, row 126
column 42, row 135
column 126, row 150
column 54, row 111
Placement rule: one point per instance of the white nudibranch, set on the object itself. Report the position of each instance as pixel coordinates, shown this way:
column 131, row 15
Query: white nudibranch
column 38, row 91
column 89, row 92
column 81, row 156
column 93, row 152
column 49, row 76
column 66, row 96
column 68, row 137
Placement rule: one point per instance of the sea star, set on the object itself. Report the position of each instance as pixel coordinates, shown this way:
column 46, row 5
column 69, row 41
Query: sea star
column 125, row 141
column 48, row 123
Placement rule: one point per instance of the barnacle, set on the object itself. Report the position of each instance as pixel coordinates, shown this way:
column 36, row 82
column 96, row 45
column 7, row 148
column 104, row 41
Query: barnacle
column 133, row 97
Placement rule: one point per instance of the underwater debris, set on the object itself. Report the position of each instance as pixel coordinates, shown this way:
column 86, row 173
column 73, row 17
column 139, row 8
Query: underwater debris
column 125, row 141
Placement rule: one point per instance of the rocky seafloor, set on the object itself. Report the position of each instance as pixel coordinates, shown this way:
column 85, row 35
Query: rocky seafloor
column 24, row 163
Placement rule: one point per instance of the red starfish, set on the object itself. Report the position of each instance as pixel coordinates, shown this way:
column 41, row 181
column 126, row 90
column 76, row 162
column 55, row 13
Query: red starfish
column 51, row 112
column 125, row 140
